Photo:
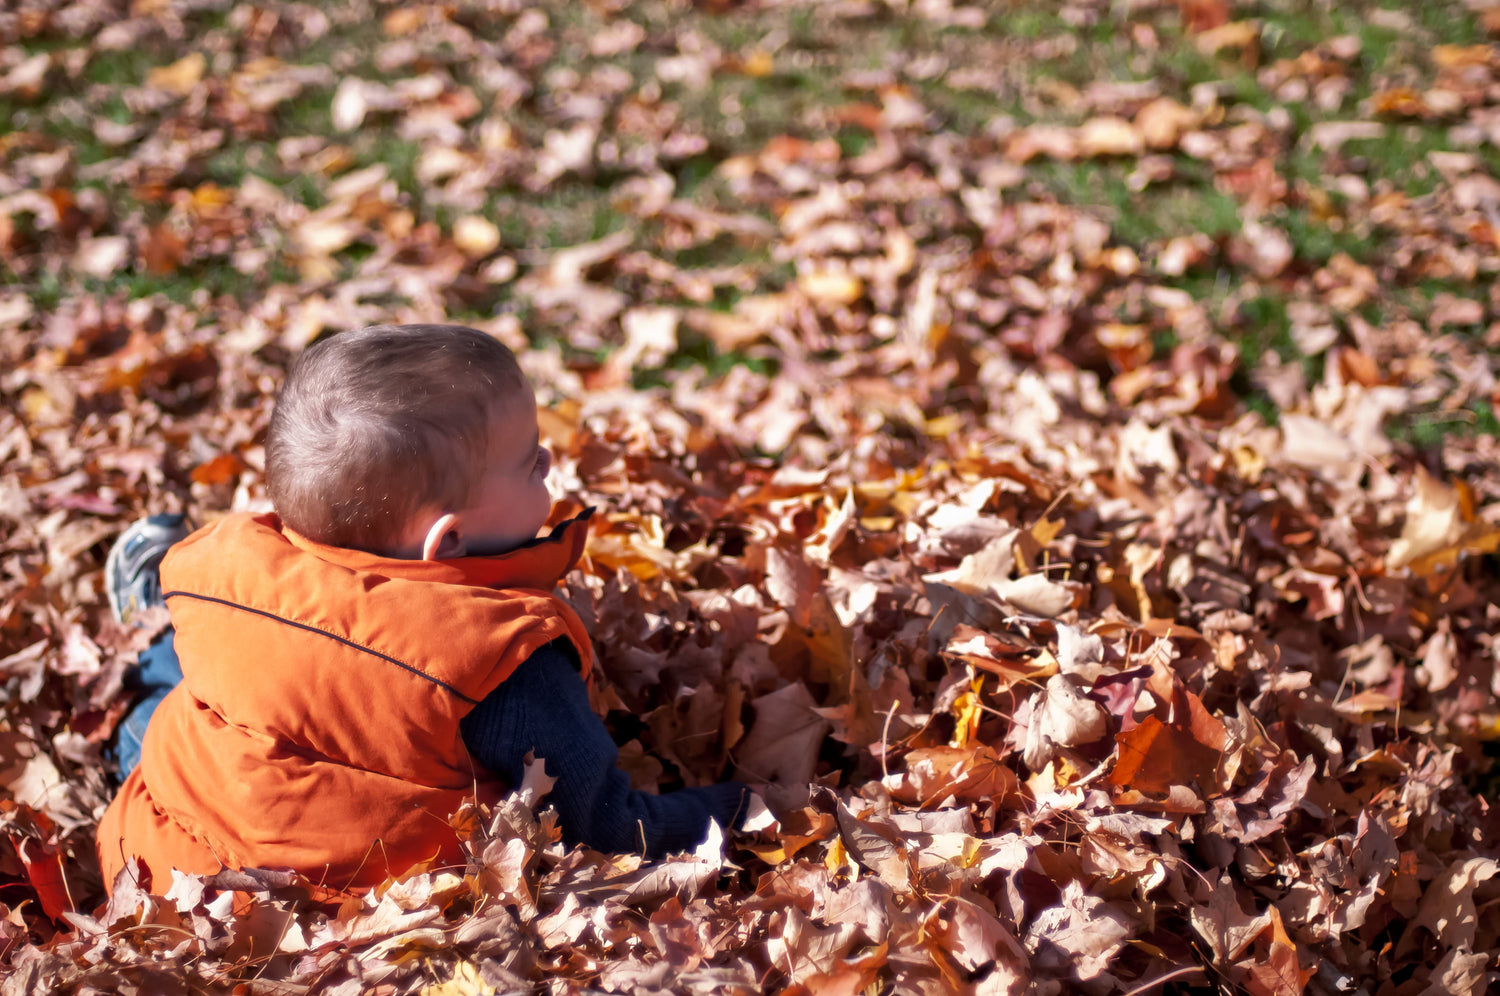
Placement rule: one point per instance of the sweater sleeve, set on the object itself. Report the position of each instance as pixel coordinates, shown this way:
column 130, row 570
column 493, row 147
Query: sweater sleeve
column 543, row 708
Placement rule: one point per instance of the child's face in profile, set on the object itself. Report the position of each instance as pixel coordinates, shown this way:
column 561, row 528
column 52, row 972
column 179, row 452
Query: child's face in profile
column 511, row 503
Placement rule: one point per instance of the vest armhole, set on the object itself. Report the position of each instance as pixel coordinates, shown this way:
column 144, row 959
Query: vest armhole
column 565, row 644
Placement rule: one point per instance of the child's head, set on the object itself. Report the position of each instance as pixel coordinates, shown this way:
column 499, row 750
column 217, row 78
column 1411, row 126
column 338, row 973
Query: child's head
column 409, row 441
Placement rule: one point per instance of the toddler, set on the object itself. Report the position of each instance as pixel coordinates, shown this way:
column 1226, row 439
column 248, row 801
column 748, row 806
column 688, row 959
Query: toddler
column 341, row 675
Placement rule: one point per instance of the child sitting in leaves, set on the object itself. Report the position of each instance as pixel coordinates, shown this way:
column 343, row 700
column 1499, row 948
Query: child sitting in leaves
column 384, row 647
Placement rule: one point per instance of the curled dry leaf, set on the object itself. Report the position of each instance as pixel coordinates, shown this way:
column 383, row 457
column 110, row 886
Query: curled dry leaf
column 1061, row 717
column 1448, row 904
column 783, row 742
column 1440, row 526
column 1079, row 936
column 968, row 774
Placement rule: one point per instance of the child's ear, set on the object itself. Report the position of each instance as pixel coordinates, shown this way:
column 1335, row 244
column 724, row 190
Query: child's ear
column 445, row 540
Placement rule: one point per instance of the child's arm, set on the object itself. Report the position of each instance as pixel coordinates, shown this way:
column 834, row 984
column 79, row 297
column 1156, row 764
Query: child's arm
column 543, row 708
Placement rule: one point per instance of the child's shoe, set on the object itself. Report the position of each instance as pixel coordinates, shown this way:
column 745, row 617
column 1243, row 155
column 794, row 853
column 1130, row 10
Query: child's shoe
column 132, row 574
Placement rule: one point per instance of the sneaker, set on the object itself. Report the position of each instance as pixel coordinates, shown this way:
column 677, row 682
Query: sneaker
column 132, row 574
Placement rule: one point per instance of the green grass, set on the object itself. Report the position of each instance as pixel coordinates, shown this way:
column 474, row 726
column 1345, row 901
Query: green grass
column 1426, row 430
column 124, row 67
column 1316, row 242
column 568, row 215
column 1180, row 206
column 695, row 351
column 1263, row 326
column 1456, row 26
column 1023, row 23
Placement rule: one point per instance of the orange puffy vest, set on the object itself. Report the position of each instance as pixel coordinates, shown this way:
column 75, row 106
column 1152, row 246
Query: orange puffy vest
column 317, row 723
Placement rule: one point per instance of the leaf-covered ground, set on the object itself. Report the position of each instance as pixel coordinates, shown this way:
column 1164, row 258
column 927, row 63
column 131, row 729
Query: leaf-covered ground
column 1052, row 447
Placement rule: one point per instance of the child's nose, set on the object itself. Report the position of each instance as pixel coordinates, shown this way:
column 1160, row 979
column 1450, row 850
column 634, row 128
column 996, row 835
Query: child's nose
column 544, row 457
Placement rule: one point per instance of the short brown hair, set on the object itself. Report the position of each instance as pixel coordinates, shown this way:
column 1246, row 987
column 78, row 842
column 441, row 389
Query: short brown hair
column 373, row 425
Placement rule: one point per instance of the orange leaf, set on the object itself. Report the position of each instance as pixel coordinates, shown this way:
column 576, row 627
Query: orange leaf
column 1243, row 35
column 403, row 21
column 44, row 869
column 1205, row 727
column 1401, row 102
column 162, row 249
column 1281, row 974
column 970, row 774
column 1462, row 56
column 1202, row 15
column 1154, row 756
column 221, row 469
column 866, row 116
column 210, row 199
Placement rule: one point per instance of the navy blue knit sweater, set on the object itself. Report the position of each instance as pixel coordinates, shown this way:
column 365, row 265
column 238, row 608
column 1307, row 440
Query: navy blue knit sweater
column 543, row 708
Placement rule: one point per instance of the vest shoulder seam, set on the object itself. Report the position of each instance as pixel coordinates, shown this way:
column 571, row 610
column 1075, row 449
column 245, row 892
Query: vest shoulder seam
column 323, row 632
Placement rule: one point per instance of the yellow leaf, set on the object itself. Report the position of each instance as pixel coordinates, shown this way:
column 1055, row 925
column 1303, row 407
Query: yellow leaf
column 1248, row 462
column 1122, row 261
column 837, row 858
column 972, row 850
column 967, row 714
column 209, row 198
column 1162, row 122
column 1236, row 34
column 831, row 286
column 466, row 981
column 1064, row 772
column 1487, row 726
column 1434, row 522
column 638, row 544
column 1108, row 136
column 181, row 77
column 475, row 236
column 907, row 502
column 1462, row 56
column 943, row 426
column 771, row 854
column 1142, row 558
column 1114, row 335
column 1046, row 530
column 758, row 63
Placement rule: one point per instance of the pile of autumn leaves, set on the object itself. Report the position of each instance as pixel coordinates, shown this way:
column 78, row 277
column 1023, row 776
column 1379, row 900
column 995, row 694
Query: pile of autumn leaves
column 1022, row 725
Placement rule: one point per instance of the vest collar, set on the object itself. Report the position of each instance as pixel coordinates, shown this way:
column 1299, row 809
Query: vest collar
column 540, row 563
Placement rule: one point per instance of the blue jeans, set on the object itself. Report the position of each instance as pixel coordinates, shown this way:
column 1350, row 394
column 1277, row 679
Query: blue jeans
column 157, row 673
